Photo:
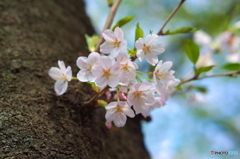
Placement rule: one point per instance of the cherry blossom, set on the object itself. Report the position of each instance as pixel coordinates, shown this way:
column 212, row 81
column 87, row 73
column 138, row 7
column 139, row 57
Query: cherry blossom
column 158, row 102
column 114, row 43
column 86, row 64
column 106, row 72
column 162, row 74
column 62, row 75
column 149, row 47
column 117, row 111
column 139, row 95
column 166, row 90
column 127, row 69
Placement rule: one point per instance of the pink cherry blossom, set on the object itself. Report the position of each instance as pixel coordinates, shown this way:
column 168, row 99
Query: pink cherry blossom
column 149, row 47
column 166, row 90
column 114, row 43
column 86, row 64
column 127, row 69
column 158, row 102
column 117, row 111
column 139, row 95
column 106, row 72
column 162, row 74
column 62, row 75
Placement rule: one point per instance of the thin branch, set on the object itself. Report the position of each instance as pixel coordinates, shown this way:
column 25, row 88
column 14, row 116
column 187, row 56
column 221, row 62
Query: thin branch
column 99, row 94
column 231, row 74
column 109, row 21
column 170, row 17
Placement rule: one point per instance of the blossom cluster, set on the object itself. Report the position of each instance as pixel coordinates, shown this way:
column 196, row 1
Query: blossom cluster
column 119, row 73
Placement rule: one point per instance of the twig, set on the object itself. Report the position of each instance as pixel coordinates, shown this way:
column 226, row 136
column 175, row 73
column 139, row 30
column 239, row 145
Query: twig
column 109, row 21
column 99, row 94
column 216, row 75
column 170, row 17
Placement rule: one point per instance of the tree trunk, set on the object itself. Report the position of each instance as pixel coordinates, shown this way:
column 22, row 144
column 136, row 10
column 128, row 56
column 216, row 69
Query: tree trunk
column 34, row 122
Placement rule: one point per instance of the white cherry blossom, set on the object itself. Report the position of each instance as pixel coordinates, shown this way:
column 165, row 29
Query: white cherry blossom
column 162, row 74
column 158, row 102
column 62, row 75
column 86, row 64
column 117, row 111
column 149, row 47
column 127, row 69
column 139, row 95
column 114, row 43
column 166, row 90
column 106, row 72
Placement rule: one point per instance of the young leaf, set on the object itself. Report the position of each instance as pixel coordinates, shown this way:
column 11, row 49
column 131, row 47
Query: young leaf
column 122, row 22
column 102, row 103
column 91, row 41
column 192, row 51
column 138, row 32
column 204, row 69
column 181, row 30
column 201, row 89
column 232, row 66
column 132, row 53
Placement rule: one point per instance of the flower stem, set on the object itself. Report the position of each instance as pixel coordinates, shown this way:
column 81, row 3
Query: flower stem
column 144, row 72
column 74, row 78
column 109, row 21
column 170, row 17
column 231, row 74
column 99, row 94
column 150, row 80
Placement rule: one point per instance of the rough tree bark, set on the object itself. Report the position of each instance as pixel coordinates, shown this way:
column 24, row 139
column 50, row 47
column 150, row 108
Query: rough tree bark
column 34, row 122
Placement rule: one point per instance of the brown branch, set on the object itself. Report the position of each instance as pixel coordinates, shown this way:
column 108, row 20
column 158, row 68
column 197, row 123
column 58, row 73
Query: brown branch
column 99, row 94
column 170, row 17
column 109, row 21
column 216, row 75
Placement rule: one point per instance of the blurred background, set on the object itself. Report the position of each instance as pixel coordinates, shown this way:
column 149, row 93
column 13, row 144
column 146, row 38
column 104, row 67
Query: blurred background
column 205, row 115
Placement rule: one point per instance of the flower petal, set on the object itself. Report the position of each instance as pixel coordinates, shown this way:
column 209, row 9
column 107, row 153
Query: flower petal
column 110, row 115
column 69, row 73
column 113, row 81
column 106, row 48
column 152, row 59
column 101, row 81
column 139, row 43
column 60, row 87
column 151, row 39
column 158, row 48
column 129, row 112
column 81, row 75
column 62, row 66
column 55, row 73
column 108, row 35
column 118, row 33
column 82, row 62
column 120, row 119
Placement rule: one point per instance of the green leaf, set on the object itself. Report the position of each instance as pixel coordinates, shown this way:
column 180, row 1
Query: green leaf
column 204, row 69
column 232, row 66
column 91, row 41
column 201, row 89
column 138, row 32
column 179, row 87
column 192, row 51
column 122, row 22
column 181, row 30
